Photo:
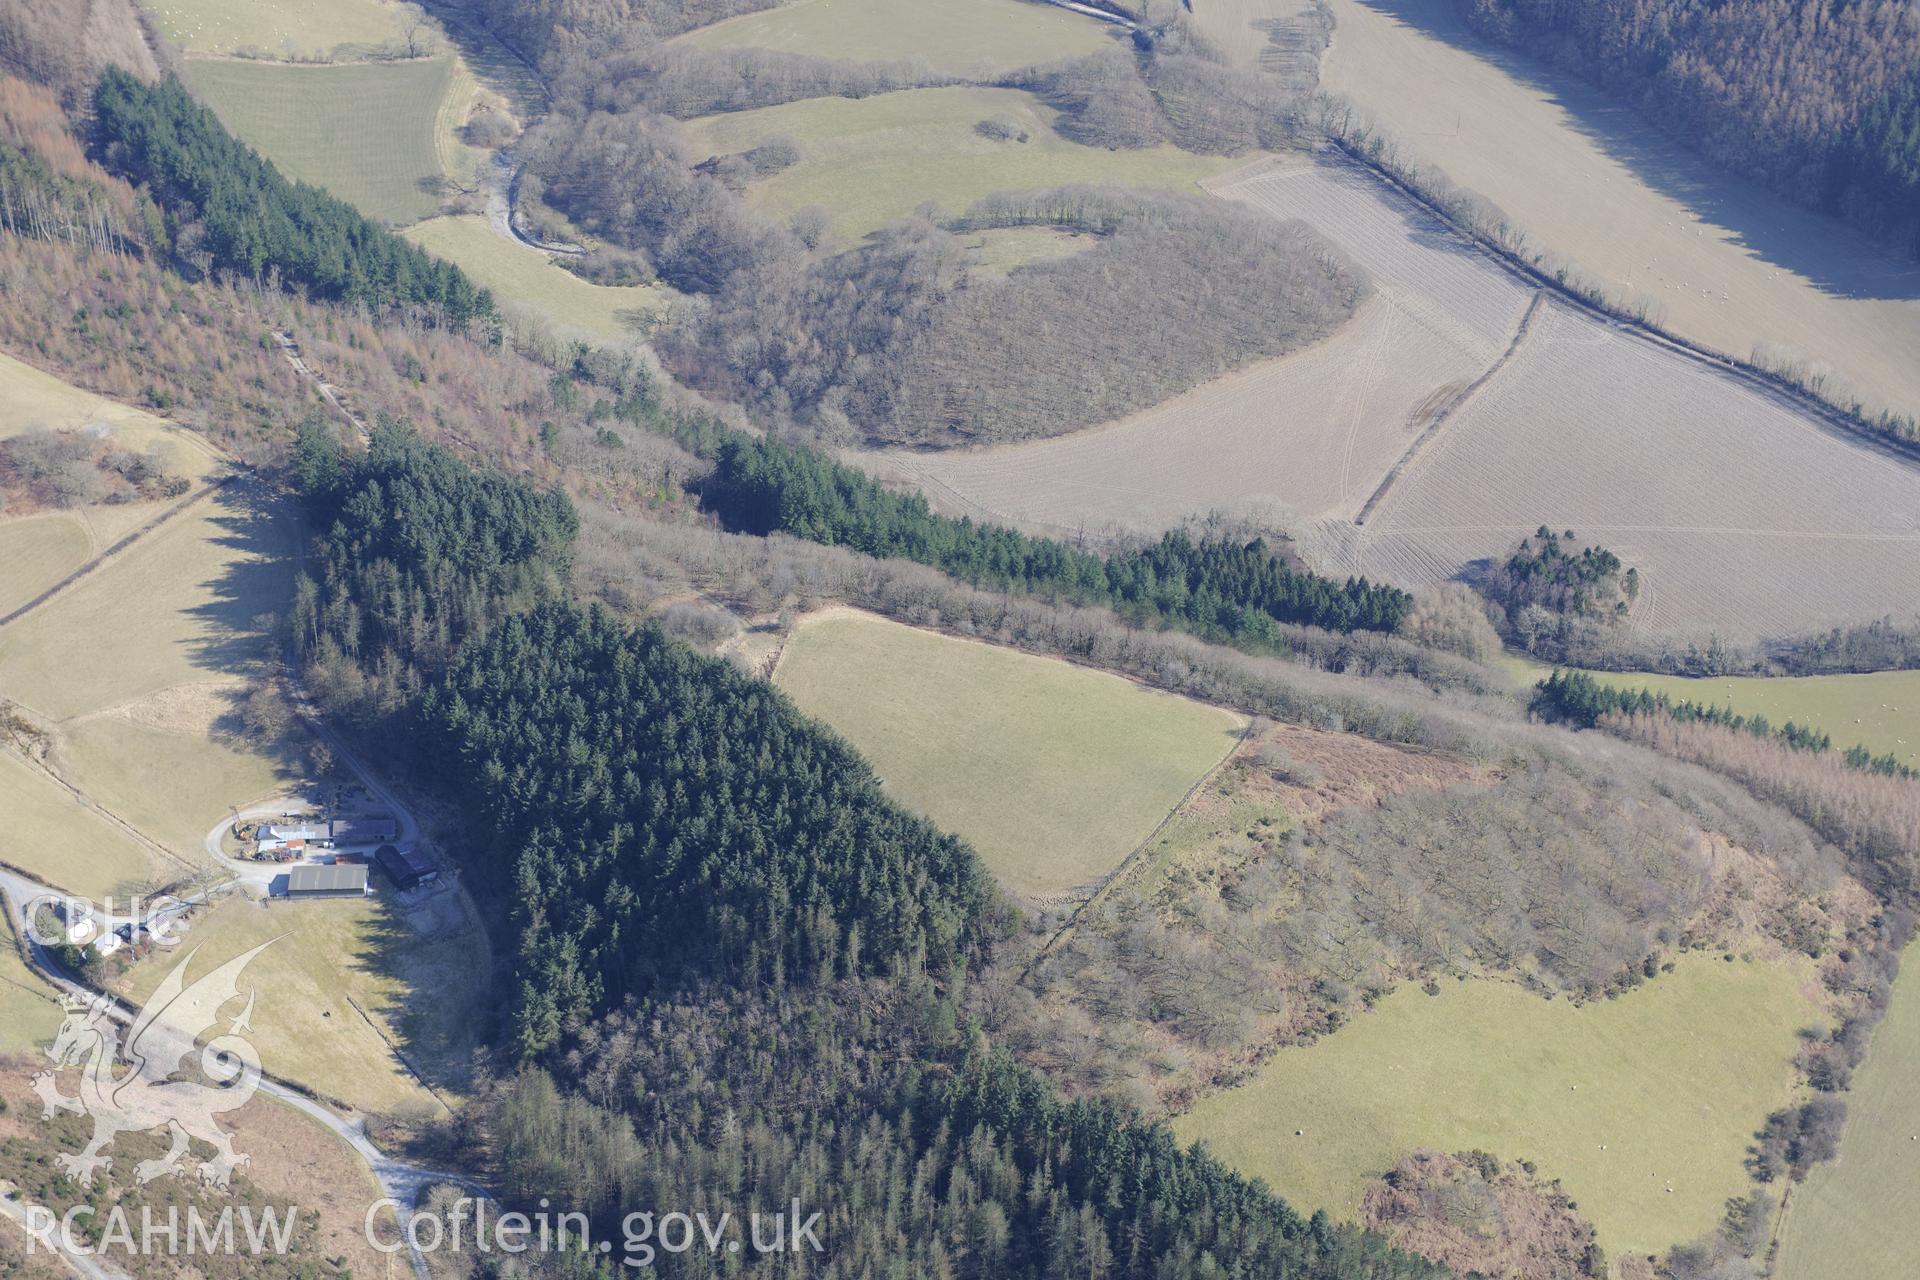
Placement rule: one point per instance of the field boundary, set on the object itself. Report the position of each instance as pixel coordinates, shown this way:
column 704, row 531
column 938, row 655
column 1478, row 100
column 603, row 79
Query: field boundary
column 400, row 1055
column 450, row 16
column 1459, row 401
column 38, row 879
column 131, row 1010
column 1131, row 862
column 1836, row 420
column 119, row 546
column 87, row 802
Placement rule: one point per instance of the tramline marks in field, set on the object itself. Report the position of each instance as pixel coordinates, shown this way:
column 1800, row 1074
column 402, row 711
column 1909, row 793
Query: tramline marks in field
column 1742, row 516
column 1314, row 431
column 1450, row 288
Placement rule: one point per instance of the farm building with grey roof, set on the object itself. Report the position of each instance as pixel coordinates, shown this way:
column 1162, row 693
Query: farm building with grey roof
column 339, row 880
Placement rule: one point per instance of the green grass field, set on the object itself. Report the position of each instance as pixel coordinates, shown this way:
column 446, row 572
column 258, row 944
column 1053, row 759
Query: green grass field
column 974, row 38
column 38, row 551
column 1053, row 772
column 29, row 1009
column 1621, row 1100
column 1854, row 1219
column 1880, row 709
column 368, row 133
column 1000, row 250
column 518, row 274
column 161, row 636
column 280, row 27
column 30, row 398
column 52, row 836
column 176, row 608
column 871, row 161
column 327, row 954
column 170, row 783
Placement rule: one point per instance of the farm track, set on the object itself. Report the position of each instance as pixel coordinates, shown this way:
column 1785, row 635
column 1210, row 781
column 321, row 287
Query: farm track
column 134, row 833
column 1749, row 509
column 1824, row 413
column 1096, row 12
column 291, row 350
column 1311, row 432
column 514, row 76
column 114, row 551
column 1741, row 521
column 1130, row 865
column 400, row 1180
column 1447, row 410
column 1594, row 183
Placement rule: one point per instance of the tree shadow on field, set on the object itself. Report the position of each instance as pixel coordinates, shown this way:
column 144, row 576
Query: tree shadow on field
column 1833, row 256
column 1423, row 229
column 253, row 586
column 244, row 622
column 421, row 942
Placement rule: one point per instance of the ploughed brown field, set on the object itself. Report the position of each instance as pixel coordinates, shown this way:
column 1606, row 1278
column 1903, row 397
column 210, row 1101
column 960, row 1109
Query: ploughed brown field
column 1745, row 515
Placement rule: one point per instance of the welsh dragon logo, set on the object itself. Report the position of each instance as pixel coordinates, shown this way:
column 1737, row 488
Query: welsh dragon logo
column 153, row 1093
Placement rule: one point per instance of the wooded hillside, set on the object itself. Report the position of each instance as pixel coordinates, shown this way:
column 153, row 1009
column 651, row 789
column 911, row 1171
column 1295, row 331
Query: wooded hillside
column 896, row 342
column 727, row 940
column 660, row 815
column 227, row 208
column 1817, row 99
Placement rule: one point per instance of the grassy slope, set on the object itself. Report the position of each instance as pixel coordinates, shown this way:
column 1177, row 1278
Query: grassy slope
column 976, row 38
column 304, row 1026
column 1620, row 1100
column 30, row 398
column 367, row 133
column 298, row 1161
column 1003, row 249
column 52, row 836
column 518, row 274
column 871, row 161
column 168, row 624
column 29, row 1008
column 1881, row 708
column 38, row 551
column 178, row 607
column 1853, row 1220
column 168, row 632
column 280, row 27
column 171, row 783
column 1053, row 772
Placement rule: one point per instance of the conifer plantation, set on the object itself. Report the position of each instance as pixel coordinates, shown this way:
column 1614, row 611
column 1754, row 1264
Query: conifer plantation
column 229, row 209
column 657, row 944
column 736, row 964
column 1214, row 588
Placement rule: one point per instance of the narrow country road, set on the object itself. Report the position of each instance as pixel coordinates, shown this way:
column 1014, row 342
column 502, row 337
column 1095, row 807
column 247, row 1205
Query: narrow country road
column 503, row 184
column 87, row 1267
column 399, row 1180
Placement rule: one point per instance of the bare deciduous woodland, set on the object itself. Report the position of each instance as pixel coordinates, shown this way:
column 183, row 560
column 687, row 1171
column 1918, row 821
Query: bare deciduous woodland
column 732, row 963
